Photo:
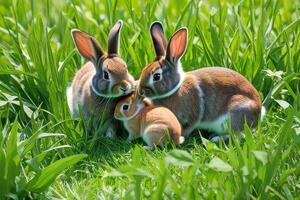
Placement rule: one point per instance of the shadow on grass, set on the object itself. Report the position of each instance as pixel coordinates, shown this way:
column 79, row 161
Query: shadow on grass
column 108, row 148
column 106, row 153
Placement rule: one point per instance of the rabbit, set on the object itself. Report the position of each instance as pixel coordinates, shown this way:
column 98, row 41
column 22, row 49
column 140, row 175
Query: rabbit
column 153, row 123
column 99, row 84
column 210, row 98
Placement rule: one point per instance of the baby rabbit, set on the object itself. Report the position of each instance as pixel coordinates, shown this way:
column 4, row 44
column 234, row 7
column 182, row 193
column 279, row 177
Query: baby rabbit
column 206, row 98
column 98, row 84
column 152, row 123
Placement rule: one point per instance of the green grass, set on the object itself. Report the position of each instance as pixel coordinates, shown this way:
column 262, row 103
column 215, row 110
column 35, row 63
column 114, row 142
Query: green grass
column 259, row 39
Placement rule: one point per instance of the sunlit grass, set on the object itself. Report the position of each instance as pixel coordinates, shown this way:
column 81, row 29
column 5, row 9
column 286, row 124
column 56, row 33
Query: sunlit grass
column 259, row 39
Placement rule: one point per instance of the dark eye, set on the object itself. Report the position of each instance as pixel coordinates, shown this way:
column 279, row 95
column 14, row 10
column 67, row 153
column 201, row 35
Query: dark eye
column 156, row 77
column 125, row 107
column 105, row 75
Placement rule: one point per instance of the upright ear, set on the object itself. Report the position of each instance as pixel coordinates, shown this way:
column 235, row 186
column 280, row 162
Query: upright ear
column 87, row 46
column 114, row 39
column 158, row 38
column 147, row 102
column 177, row 45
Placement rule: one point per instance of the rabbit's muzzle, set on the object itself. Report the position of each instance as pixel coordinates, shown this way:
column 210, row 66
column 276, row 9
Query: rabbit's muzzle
column 125, row 87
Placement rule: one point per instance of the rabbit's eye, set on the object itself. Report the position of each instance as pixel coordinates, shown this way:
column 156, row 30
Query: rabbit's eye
column 156, row 77
column 106, row 75
column 125, row 107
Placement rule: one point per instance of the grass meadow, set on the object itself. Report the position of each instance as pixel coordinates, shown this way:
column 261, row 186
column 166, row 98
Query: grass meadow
column 45, row 153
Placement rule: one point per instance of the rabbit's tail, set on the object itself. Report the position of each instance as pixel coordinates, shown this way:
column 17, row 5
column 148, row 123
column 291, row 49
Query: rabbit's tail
column 69, row 98
column 263, row 112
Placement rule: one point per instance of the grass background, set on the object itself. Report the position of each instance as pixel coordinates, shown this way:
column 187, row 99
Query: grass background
column 259, row 39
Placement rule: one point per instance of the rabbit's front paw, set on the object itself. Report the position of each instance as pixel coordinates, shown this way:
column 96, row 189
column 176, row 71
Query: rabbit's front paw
column 148, row 148
column 110, row 133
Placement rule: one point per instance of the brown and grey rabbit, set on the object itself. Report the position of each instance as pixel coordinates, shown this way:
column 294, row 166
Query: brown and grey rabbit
column 206, row 98
column 153, row 123
column 99, row 84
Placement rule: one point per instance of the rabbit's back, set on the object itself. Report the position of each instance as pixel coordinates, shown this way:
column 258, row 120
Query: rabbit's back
column 79, row 93
column 221, row 87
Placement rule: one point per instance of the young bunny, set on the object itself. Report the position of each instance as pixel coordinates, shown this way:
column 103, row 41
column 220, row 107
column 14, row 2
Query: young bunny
column 206, row 98
column 152, row 123
column 98, row 84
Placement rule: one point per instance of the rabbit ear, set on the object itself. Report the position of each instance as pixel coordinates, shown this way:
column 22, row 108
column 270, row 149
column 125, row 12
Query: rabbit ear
column 114, row 39
column 87, row 45
column 158, row 38
column 177, row 45
column 147, row 102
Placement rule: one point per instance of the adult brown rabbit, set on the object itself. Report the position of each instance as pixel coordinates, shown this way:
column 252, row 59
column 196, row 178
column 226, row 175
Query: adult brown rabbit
column 206, row 98
column 99, row 83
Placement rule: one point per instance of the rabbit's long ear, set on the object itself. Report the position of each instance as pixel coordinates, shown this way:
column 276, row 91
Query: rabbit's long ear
column 177, row 45
column 158, row 38
column 87, row 45
column 114, row 39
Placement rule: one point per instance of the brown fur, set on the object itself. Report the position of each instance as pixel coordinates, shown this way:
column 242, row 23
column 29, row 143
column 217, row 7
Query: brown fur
column 91, row 103
column 164, row 120
column 113, row 39
column 204, row 95
column 224, row 90
column 158, row 40
column 100, row 83
column 184, row 103
column 151, row 122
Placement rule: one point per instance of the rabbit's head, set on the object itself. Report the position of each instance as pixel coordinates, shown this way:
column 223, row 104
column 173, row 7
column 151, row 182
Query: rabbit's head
column 112, row 78
column 128, row 107
column 164, row 75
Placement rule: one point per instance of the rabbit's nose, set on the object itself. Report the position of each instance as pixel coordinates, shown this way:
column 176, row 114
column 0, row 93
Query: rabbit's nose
column 123, row 90
column 124, row 86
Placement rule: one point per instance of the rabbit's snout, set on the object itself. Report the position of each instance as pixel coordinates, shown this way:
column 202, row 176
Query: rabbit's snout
column 125, row 86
